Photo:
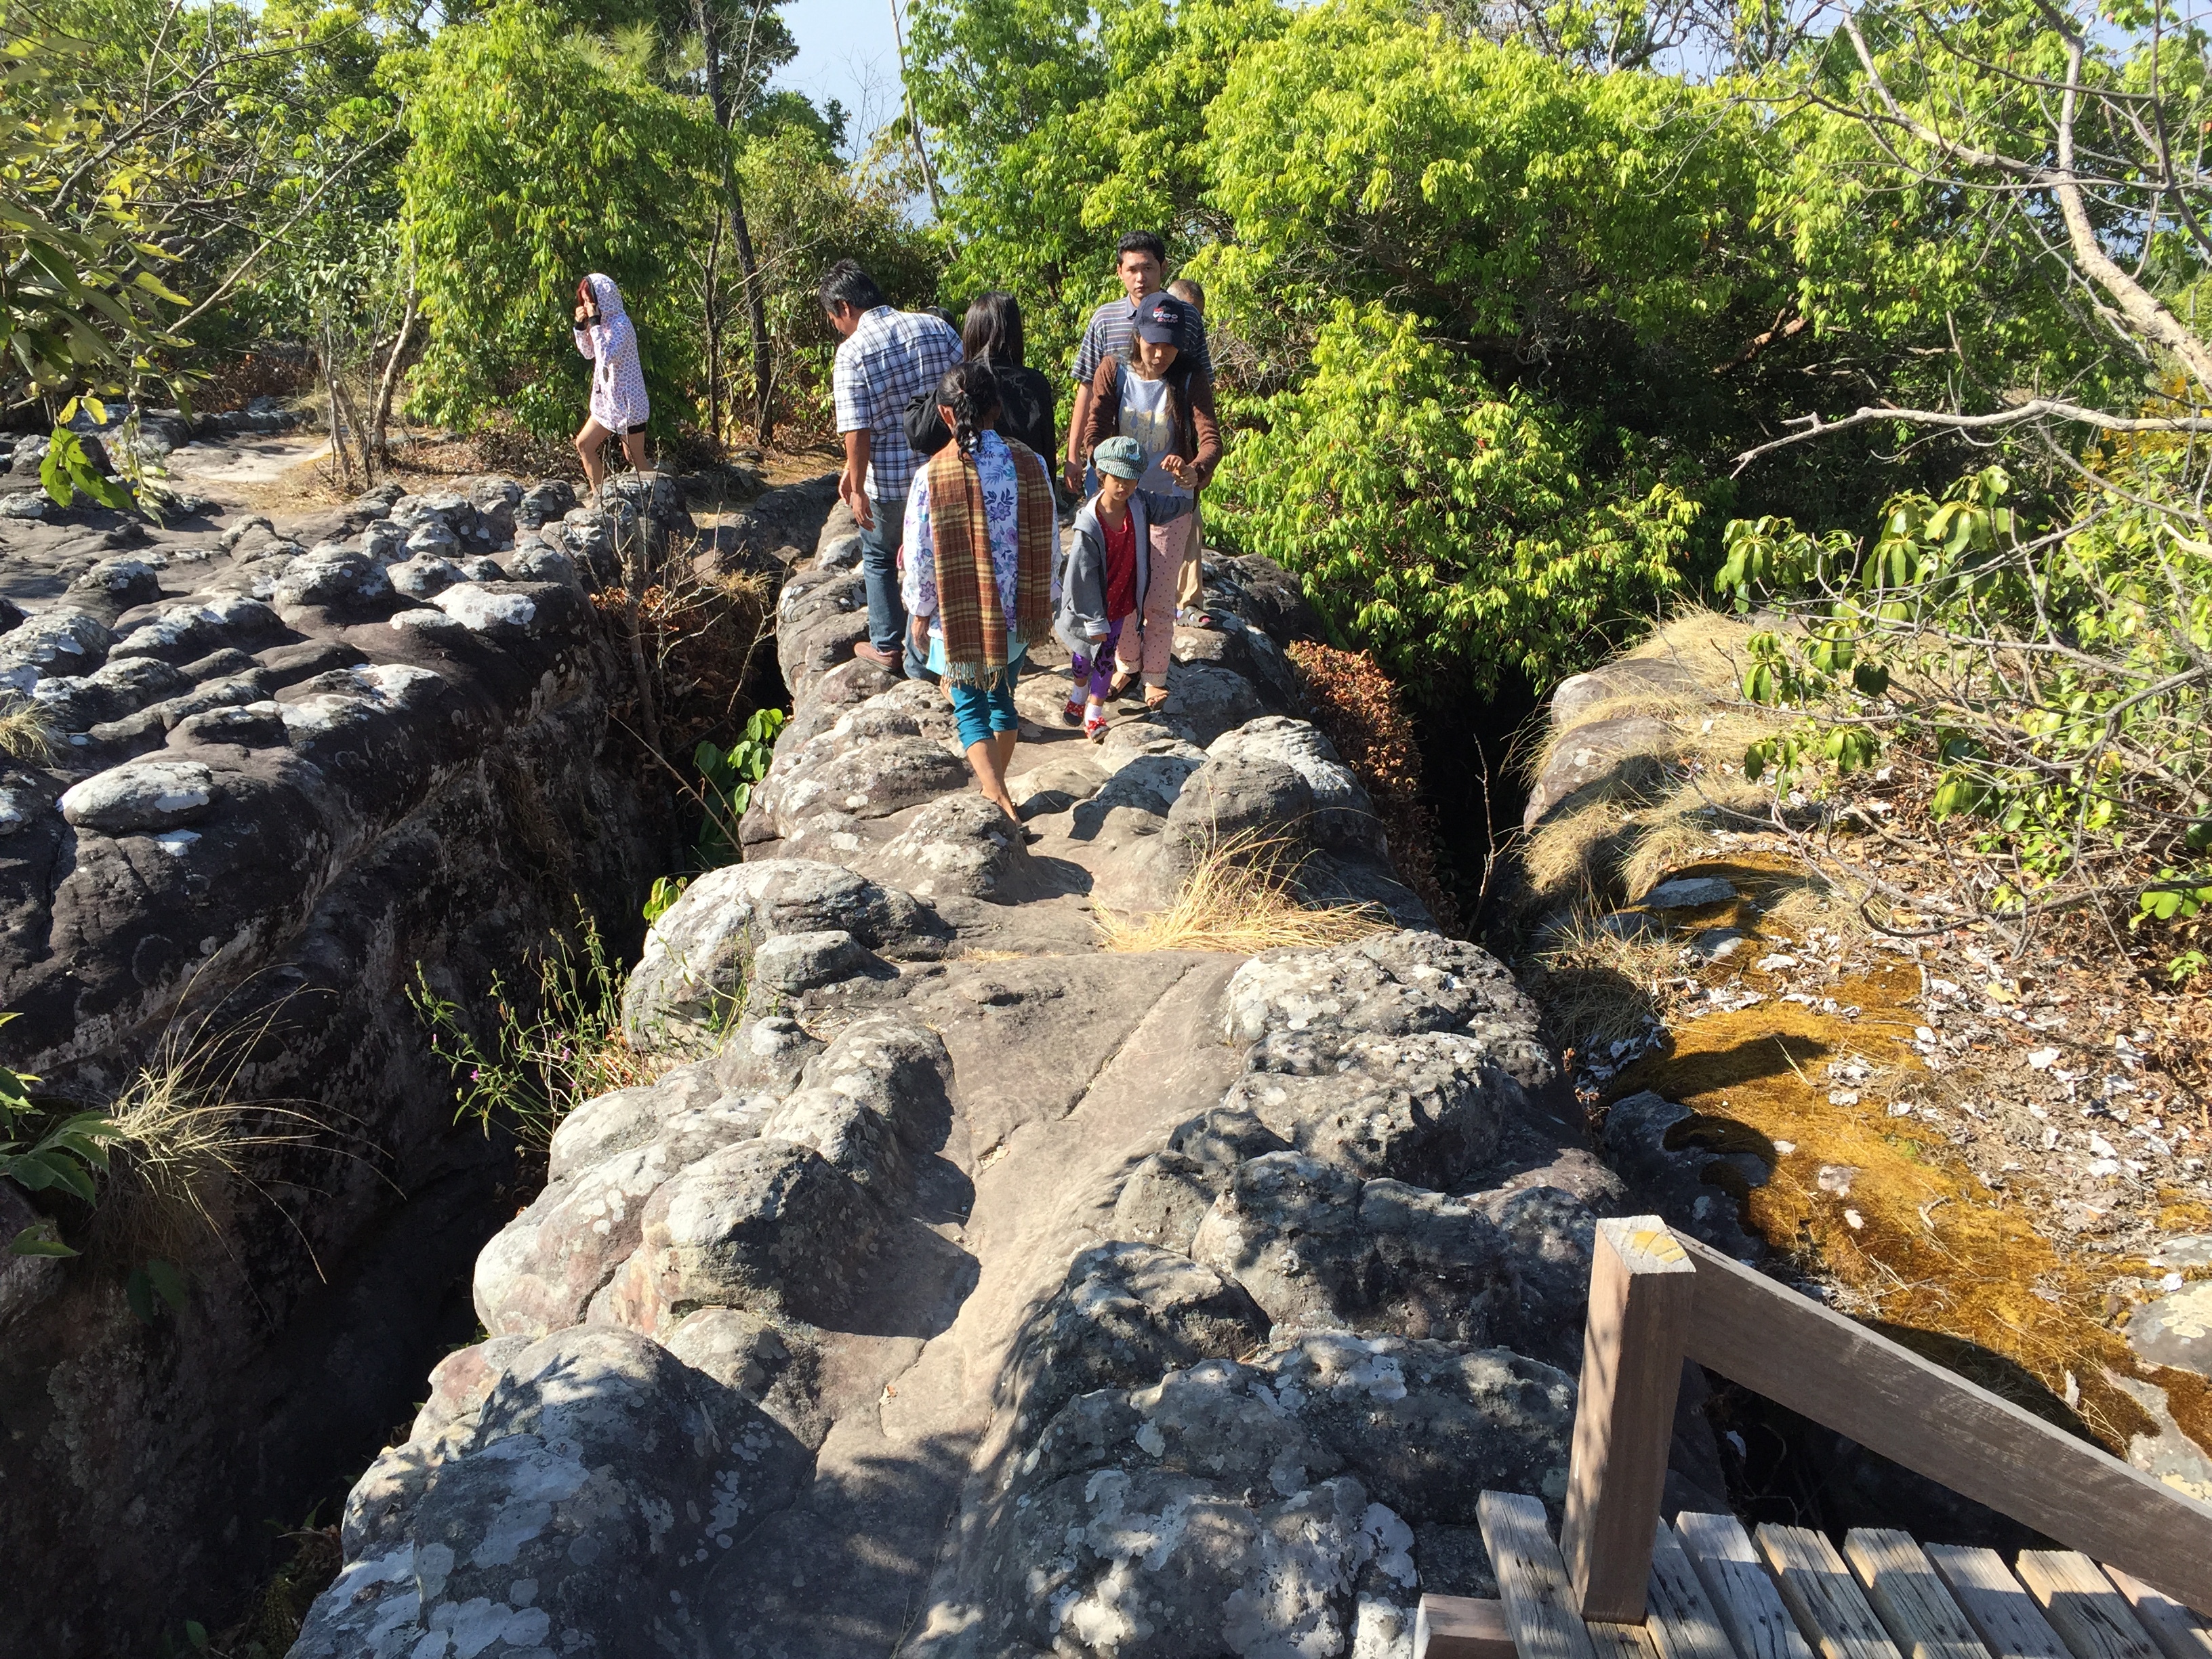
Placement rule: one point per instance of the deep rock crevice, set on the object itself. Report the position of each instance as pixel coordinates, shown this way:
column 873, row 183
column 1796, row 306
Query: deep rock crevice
column 292, row 763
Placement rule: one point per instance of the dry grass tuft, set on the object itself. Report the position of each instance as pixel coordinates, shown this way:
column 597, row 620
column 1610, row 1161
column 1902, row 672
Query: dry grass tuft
column 1814, row 901
column 1678, row 707
column 1707, row 643
column 1566, row 854
column 185, row 1145
column 1243, row 897
column 27, row 732
column 1672, row 831
column 1597, row 989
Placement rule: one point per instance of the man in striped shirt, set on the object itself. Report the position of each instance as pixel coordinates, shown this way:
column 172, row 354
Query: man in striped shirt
column 885, row 358
column 1140, row 261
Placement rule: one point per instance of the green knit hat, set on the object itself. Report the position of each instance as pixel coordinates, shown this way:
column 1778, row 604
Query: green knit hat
column 1119, row 458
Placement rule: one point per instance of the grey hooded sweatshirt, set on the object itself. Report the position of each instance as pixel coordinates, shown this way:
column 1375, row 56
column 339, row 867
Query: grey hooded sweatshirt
column 1082, row 619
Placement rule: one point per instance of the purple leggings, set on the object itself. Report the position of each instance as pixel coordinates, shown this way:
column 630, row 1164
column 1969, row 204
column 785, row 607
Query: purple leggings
column 1093, row 670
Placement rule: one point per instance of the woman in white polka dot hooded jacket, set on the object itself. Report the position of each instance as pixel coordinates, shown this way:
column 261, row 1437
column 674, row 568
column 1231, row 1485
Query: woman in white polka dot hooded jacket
column 619, row 408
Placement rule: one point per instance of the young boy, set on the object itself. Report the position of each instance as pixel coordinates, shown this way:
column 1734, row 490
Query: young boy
column 1102, row 591
column 1190, row 585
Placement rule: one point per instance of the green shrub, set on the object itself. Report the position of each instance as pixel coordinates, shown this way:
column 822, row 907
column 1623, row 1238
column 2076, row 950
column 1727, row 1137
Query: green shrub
column 553, row 1044
column 1441, row 524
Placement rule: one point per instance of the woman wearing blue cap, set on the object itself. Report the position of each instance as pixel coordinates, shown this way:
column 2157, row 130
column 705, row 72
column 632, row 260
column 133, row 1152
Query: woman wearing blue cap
column 1167, row 407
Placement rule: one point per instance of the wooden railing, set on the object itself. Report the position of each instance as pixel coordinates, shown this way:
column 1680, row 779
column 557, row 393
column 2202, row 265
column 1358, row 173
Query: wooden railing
column 1657, row 1298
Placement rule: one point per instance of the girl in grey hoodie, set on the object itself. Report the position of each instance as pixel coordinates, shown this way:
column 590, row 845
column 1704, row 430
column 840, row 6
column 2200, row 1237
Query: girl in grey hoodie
column 1102, row 588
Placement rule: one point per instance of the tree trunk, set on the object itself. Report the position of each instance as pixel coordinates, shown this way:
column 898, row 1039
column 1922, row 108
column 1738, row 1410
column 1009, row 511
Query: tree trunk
column 380, row 417
column 337, row 423
column 710, row 311
column 748, row 269
column 359, row 427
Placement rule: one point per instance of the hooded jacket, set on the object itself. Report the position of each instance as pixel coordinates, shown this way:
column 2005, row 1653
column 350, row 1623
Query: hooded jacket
column 1081, row 620
column 618, row 399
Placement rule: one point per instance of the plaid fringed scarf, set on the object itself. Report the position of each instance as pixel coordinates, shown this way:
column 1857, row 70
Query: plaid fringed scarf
column 969, row 609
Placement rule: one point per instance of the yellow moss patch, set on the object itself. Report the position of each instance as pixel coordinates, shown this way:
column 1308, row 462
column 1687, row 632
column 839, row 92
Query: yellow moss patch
column 1887, row 1212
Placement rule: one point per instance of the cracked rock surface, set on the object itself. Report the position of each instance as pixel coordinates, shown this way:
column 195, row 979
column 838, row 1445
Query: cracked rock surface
column 1110, row 1304
column 289, row 762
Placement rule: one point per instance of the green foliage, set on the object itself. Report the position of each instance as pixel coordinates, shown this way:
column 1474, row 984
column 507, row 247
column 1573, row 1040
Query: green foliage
column 727, row 777
column 1443, row 524
column 154, row 1285
column 81, row 289
column 2051, row 686
column 1943, row 293
column 41, row 1152
column 67, row 469
column 666, row 889
column 551, row 1045
column 533, row 163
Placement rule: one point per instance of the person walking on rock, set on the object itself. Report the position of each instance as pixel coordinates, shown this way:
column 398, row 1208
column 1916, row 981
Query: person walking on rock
column 619, row 408
column 884, row 357
column 992, row 335
column 1166, row 404
column 981, row 528
column 1141, row 263
column 1102, row 590
column 1190, row 588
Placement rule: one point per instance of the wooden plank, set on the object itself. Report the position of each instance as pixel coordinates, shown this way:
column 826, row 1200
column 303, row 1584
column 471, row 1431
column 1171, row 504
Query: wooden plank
column 2002, row 1614
column 1910, row 1600
column 1641, row 1300
column 1461, row 1627
column 1749, row 1606
column 1532, row 1579
column 2090, row 1616
column 1831, row 1611
column 1683, row 1623
column 1893, row 1403
column 2179, row 1633
column 1620, row 1641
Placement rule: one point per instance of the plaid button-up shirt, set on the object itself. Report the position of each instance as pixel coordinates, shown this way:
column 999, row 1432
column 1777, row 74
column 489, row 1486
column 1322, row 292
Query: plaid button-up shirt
column 891, row 355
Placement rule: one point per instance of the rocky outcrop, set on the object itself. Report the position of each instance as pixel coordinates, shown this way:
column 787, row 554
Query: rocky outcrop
column 1120, row 1303
column 288, row 764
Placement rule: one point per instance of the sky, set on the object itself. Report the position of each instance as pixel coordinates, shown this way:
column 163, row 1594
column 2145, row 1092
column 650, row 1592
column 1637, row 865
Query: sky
column 845, row 52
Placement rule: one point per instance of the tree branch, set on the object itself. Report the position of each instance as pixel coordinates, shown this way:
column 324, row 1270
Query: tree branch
column 2033, row 409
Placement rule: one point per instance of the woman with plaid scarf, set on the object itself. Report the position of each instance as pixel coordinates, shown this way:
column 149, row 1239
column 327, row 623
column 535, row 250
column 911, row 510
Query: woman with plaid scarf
column 980, row 532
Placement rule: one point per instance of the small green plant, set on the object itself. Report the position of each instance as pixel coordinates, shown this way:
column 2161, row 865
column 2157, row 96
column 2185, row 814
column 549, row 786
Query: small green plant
column 666, row 889
column 38, row 1155
column 552, row 1047
column 728, row 776
column 68, row 470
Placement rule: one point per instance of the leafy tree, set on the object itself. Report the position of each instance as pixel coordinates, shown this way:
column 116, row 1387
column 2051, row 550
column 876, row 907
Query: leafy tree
column 530, row 164
column 82, row 298
column 1443, row 524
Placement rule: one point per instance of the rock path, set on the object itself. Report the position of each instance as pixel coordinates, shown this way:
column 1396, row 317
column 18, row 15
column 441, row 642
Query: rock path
column 1030, row 1297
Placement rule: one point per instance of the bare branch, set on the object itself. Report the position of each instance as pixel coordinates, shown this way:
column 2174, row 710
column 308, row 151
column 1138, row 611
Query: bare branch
column 2033, row 409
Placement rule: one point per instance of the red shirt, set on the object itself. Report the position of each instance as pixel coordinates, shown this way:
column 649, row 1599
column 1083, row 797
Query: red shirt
column 1120, row 565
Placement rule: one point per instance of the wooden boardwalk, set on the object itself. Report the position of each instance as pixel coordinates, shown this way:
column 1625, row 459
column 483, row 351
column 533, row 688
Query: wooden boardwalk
column 1622, row 1583
column 1718, row 1592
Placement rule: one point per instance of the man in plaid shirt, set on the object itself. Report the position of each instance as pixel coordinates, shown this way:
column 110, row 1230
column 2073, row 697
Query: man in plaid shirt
column 885, row 358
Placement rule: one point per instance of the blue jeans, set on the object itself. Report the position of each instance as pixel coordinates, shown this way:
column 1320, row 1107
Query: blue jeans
column 880, row 571
column 979, row 713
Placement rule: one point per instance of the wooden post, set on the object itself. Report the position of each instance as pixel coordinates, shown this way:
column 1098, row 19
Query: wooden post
column 1642, row 1298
